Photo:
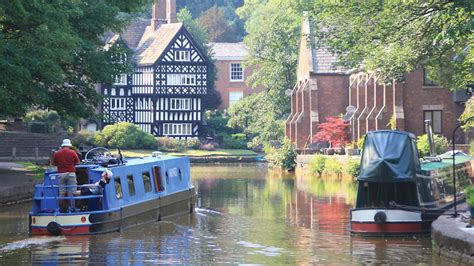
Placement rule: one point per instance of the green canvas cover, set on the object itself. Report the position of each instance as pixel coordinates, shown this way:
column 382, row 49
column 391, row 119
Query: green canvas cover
column 389, row 156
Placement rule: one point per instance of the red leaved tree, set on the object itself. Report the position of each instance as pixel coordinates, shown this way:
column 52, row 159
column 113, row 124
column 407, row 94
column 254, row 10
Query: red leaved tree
column 334, row 130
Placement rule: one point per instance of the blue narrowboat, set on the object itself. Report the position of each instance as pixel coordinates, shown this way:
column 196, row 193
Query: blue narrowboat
column 141, row 190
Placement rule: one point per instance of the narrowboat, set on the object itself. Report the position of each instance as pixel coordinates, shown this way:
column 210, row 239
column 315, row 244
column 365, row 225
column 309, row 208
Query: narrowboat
column 141, row 190
column 397, row 193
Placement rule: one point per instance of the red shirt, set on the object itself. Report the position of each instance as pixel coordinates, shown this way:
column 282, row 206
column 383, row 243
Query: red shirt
column 66, row 160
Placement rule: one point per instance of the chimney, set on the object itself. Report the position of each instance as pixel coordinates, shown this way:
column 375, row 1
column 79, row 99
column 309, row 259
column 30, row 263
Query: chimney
column 171, row 11
column 163, row 11
column 158, row 13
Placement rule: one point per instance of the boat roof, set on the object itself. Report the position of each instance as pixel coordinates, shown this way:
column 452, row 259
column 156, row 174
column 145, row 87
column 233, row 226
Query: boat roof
column 389, row 156
column 447, row 161
column 127, row 162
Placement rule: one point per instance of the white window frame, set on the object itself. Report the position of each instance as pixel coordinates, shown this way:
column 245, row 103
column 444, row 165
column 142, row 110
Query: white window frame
column 182, row 55
column 180, row 79
column 234, row 69
column 177, row 129
column 231, row 100
column 121, row 79
column 118, row 104
column 178, row 104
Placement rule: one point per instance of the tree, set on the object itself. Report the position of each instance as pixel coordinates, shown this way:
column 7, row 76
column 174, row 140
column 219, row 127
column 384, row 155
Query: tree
column 468, row 112
column 200, row 35
column 256, row 117
column 215, row 22
column 273, row 28
column 396, row 37
column 334, row 130
column 51, row 53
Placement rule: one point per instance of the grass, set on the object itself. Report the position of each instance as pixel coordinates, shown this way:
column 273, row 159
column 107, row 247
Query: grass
column 37, row 170
column 190, row 153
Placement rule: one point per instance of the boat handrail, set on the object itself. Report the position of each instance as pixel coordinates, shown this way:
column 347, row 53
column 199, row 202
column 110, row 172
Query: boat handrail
column 69, row 197
column 415, row 208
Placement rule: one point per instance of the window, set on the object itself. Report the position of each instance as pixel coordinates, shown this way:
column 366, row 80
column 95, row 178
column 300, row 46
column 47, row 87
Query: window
column 236, row 72
column 121, row 79
column 426, row 80
column 234, row 96
column 158, row 180
column 117, row 104
column 182, row 55
column 118, row 187
column 146, row 181
column 436, row 120
column 180, row 104
column 177, row 129
column 180, row 79
column 131, row 185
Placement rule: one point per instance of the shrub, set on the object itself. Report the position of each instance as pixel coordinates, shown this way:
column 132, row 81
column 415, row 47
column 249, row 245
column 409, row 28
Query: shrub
column 171, row 145
column 284, row 156
column 192, row 143
column 235, row 141
column 360, row 142
column 208, row 147
column 125, row 135
column 471, row 148
column 37, row 127
column 317, row 164
column 423, row 145
column 334, row 130
column 469, row 193
column 333, row 167
column 84, row 138
column 351, row 167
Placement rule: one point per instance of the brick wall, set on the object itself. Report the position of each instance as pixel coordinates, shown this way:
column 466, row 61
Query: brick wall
column 28, row 145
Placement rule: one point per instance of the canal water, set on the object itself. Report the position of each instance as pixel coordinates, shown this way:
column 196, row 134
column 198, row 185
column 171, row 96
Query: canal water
column 246, row 214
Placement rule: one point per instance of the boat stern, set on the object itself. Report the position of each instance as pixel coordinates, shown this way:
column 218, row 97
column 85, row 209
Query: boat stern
column 59, row 224
column 379, row 221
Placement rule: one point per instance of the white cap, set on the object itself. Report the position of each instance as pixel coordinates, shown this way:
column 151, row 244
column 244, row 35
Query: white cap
column 66, row 143
column 108, row 173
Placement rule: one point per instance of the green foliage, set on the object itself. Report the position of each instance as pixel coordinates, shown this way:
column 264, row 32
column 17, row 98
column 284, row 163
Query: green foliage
column 125, row 135
column 423, row 144
column 360, row 142
column 213, row 98
column 216, row 122
column 283, row 157
column 397, row 37
column 351, row 167
column 84, row 138
column 392, row 123
column 471, row 148
column 317, row 164
column 467, row 114
column 235, row 141
column 273, row 28
column 177, row 145
column 47, row 44
column 333, row 167
column 37, row 127
column 469, row 193
column 218, row 26
column 257, row 118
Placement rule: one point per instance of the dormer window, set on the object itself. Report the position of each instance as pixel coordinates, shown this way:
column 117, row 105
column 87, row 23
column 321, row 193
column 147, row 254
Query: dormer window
column 426, row 80
column 121, row 79
column 181, row 55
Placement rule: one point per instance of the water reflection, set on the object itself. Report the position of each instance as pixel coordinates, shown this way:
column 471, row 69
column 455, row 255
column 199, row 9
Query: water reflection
column 246, row 214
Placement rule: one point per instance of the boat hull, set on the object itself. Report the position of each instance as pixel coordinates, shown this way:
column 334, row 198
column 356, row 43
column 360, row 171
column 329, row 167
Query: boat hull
column 376, row 221
column 78, row 223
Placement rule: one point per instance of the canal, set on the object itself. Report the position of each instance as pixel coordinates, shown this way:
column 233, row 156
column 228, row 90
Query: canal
column 245, row 214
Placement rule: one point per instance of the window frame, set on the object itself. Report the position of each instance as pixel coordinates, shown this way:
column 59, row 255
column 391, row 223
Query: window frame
column 182, row 55
column 177, row 129
column 120, row 79
column 181, row 79
column 231, row 102
column 234, row 73
column 180, row 104
column 130, row 190
column 428, row 82
column 147, row 173
column 119, row 188
column 432, row 121
column 117, row 103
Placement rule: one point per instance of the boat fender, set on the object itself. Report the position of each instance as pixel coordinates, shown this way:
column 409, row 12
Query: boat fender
column 380, row 217
column 54, row 228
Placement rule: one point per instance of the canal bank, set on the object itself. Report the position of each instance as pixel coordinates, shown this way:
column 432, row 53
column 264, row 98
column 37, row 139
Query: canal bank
column 453, row 237
column 17, row 183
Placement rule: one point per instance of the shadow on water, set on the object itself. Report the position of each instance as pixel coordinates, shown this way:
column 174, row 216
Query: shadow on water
column 245, row 214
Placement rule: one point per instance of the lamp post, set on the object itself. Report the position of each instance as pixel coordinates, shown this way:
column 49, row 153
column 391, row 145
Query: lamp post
column 454, row 164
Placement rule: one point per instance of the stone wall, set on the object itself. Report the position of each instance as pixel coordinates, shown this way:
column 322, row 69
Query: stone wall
column 24, row 145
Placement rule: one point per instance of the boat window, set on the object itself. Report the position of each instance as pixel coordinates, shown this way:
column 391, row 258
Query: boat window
column 180, row 176
column 167, row 178
column 158, row 180
column 374, row 194
column 146, row 181
column 131, row 185
column 118, row 187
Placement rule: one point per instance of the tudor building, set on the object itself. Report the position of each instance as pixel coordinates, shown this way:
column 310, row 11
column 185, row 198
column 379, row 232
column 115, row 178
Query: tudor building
column 163, row 95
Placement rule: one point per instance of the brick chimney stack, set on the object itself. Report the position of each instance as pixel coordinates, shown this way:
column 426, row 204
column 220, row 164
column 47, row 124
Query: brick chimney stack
column 163, row 12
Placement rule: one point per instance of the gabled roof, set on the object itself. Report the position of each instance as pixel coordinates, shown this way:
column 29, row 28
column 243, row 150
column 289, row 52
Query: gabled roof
column 153, row 43
column 148, row 45
column 323, row 61
column 228, row 51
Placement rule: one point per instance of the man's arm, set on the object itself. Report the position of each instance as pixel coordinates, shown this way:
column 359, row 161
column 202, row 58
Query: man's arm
column 53, row 160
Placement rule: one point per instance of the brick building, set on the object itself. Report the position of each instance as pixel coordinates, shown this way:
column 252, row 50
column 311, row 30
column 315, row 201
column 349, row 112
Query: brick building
column 323, row 91
column 231, row 74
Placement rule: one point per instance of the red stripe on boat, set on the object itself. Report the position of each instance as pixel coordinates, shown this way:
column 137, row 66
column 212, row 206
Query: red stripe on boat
column 75, row 230
column 396, row 228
